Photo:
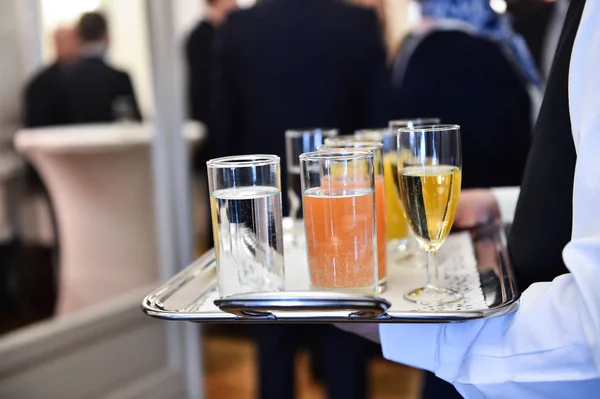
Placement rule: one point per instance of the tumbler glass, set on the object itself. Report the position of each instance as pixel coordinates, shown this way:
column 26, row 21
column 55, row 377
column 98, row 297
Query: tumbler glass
column 245, row 199
column 338, row 189
column 380, row 196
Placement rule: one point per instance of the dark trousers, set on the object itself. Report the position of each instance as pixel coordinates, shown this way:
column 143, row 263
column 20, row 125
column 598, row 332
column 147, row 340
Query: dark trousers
column 436, row 388
column 341, row 360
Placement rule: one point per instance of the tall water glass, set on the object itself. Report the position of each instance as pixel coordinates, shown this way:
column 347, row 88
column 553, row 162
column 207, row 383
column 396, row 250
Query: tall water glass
column 299, row 142
column 338, row 189
column 380, row 196
column 430, row 178
column 245, row 201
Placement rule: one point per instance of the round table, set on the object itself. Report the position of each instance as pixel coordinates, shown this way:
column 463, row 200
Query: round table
column 100, row 181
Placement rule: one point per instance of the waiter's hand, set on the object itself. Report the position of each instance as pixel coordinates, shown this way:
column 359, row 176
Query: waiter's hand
column 365, row 330
column 475, row 207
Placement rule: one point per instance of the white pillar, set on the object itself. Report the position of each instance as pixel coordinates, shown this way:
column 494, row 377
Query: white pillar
column 171, row 179
column 128, row 50
column 19, row 58
column 30, row 43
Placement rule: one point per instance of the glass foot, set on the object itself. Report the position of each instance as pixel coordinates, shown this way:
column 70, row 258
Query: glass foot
column 430, row 295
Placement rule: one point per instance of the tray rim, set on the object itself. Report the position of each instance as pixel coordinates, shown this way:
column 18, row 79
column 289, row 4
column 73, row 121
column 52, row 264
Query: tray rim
column 153, row 307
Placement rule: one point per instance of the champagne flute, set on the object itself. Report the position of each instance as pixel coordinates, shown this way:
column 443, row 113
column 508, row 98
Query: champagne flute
column 397, row 230
column 429, row 173
column 402, row 243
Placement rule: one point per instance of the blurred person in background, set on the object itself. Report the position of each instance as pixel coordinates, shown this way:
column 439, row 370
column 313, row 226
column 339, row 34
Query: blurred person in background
column 286, row 64
column 377, row 5
column 44, row 102
column 540, row 23
column 198, row 52
column 97, row 92
column 465, row 65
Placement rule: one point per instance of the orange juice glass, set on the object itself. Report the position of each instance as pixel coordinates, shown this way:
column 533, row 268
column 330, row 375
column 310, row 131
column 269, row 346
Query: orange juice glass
column 380, row 196
column 338, row 196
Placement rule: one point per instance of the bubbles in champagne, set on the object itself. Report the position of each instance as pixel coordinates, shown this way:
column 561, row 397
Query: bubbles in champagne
column 430, row 195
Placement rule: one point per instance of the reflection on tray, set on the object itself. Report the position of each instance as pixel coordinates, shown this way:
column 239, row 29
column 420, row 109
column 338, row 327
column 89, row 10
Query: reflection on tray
column 474, row 262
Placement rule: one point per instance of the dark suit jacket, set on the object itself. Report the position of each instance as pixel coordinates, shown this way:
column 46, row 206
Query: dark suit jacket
column 44, row 99
column 92, row 88
column 531, row 20
column 296, row 64
column 467, row 80
column 198, row 51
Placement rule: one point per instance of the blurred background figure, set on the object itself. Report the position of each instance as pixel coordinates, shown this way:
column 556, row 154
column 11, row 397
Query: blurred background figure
column 198, row 52
column 299, row 64
column 464, row 64
column 45, row 95
column 377, row 5
column 97, row 92
column 540, row 23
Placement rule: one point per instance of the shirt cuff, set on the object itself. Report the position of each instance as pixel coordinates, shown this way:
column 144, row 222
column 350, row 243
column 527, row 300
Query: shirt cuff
column 507, row 198
column 415, row 345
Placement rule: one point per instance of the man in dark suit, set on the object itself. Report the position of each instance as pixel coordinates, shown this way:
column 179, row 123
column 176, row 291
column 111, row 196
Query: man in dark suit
column 97, row 92
column 44, row 100
column 292, row 64
column 296, row 64
column 198, row 53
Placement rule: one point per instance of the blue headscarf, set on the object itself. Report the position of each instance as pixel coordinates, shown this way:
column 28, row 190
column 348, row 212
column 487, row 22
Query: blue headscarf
column 487, row 23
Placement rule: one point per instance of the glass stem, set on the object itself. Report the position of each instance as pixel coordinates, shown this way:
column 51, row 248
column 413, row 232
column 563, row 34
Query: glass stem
column 432, row 269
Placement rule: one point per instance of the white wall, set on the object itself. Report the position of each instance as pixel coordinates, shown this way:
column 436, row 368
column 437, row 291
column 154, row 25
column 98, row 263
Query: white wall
column 19, row 57
column 187, row 13
column 129, row 49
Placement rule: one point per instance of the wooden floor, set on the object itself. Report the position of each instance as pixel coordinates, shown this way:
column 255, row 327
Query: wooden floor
column 230, row 373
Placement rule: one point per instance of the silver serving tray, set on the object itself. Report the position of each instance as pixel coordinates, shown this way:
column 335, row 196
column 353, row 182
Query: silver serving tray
column 489, row 287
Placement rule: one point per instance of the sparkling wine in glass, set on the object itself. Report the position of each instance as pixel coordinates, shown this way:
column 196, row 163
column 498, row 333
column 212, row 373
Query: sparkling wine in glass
column 429, row 174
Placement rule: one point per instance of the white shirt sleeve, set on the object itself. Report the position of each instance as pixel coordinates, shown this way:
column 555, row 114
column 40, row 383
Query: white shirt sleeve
column 550, row 347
